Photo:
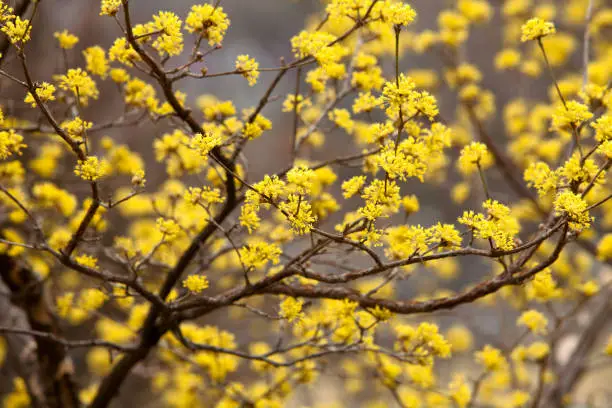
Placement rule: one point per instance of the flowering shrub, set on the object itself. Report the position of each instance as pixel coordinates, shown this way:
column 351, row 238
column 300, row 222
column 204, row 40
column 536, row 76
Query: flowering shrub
column 313, row 258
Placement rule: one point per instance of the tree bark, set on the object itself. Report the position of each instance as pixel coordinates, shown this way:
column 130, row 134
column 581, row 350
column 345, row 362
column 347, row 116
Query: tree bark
column 54, row 364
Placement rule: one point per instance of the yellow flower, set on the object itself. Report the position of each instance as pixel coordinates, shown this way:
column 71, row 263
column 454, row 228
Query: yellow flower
column 203, row 196
column 76, row 128
column 170, row 39
column 491, row 358
column 66, row 40
column 109, row 7
column 208, row 21
column 110, row 330
column 270, row 187
column 10, row 143
column 6, row 13
column 421, row 375
column 535, row 29
column 64, row 304
column 425, row 40
column 258, row 253
column 95, row 58
column 119, row 75
column 507, row 58
column 352, row 186
column 603, row 128
column 98, row 361
column 589, row 288
column 248, row 68
column 534, row 321
column 256, row 128
column 399, row 14
column 460, row 338
column 543, row 287
column 168, row 227
column 500, row 226
column 289, row 104
column 537, row 350
column 576, row 209
column 453, row 27
column 48, row 195
column 138, row 178
column 203, row 144
column 17, row 30
column 291, row 309
column 395, row 94
column 342, row 119
column 44, row 91
column 460, row 391
column 299, row 213
column 80, row 84
column 460, row 192
column 604, row 248
column 301, row 179
column 424, row 342
column 365, row 102
column 540, row 176
column 606, row 149
column 519, row 398
column 410, row 203
column 92, row 168
column 87, row 260
column 608, row 349
column 91, row 299
column 472, row 156
column 572, row 113
column 475, row 10
column 123, row 52
column 445, row 236
column 249, row 217
column 320, row 45
column 196, row 283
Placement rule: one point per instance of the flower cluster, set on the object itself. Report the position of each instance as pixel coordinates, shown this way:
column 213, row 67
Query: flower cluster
column 575, row 208
column 195, row 283
column 498, row 225
column 302, row 207
column 92, row 168
column 248, row 67
column 209, row 22
column 535, row 29
column 80, row 84
column 10, row 143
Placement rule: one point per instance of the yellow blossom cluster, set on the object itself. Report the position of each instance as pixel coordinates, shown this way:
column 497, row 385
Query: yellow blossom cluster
column 498, row 225
column 92, row 168
column 195, row 283
column 333, row 208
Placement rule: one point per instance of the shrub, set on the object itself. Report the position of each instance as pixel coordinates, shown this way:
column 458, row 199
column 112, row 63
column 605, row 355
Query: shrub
column 325, row 261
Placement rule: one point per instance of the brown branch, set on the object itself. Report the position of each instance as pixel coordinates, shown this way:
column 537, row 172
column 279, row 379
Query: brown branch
column 45, row 110
column 66, row 343
column 56, row 367
column 150, row 333
column 20, row 349
column 513, row 276
column 572, row 372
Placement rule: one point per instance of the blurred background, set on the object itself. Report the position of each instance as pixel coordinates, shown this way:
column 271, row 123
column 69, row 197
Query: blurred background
column 263, row 28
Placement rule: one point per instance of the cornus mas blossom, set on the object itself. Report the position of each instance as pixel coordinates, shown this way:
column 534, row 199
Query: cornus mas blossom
column 535, row 29
column 422, row 236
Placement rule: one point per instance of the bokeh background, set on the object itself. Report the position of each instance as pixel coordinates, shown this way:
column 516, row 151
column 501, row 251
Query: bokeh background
column 263, row 28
